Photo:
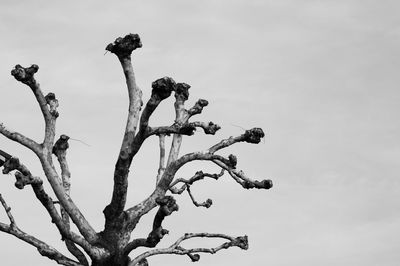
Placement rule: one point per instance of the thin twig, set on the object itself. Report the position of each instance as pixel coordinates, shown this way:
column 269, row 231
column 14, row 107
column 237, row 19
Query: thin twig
column 8, row 211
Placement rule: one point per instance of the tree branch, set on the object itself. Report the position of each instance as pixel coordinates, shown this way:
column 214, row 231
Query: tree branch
column 199, row 175
column 48, row 104
column 161, row 90
column 176, row 248
column 208, row 128
column 251, row 136
column 60, row 150
column 167, row 207
column 65, row 200
column 242, row 179
column 207, row 204
column 43, row 248
column 8, row 212
column 161, row 167
column 181, row 117
column 187, row 129
column 19, row 138
column 122, row 48
column 24, row 177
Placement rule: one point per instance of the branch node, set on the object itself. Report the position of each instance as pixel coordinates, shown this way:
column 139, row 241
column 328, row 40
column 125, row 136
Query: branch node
column 198, row 107
column 162, row 88
column 232, row 161
column 211, row 128
column 53, row 104
column 182, row 91
column 254, row 135
column 23, row 180
column 208, row 203
column 167, row 205
column 25, row 75
column 241, row 242
column 61, row 144
column 194, row 257
column 123, row 47
column 10, row 165
column 187, row 129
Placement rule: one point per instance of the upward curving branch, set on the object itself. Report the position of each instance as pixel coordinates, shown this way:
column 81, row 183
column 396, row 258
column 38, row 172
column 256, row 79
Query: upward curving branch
column 26, row 76
column 60, row 150
column 122, row 48
column 181, row 117
column 48, row 106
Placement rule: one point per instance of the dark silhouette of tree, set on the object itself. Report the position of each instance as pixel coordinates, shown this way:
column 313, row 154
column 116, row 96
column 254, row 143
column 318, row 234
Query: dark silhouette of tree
column 113, row 244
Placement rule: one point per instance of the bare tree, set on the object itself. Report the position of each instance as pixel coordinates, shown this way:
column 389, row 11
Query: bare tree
column 113, row 244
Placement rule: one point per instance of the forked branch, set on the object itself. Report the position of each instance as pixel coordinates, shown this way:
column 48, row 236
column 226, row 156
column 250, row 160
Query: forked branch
column 43, row 248
column 176, row 248
column 48, row 105
column 167, row 205
column 24, row 177
column 250, row 136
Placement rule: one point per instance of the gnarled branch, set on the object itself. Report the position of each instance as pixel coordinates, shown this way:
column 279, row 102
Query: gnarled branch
column 251, row 136
column 207, row 204
column 48, row 105
column 181, row 117
column 60, row 150
column 176, row 248
column 122, row 48
column 43, row 248
column 199, row 175
column 167, row 207
column 24, row 177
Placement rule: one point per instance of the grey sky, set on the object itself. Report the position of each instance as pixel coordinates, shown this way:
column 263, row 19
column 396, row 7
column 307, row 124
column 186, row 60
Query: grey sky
column 318, row 76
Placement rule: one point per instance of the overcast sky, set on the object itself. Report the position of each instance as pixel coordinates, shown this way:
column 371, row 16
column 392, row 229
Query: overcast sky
column 320, row 77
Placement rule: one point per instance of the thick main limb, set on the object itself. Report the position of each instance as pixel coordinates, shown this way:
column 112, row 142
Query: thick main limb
column 123, row 48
